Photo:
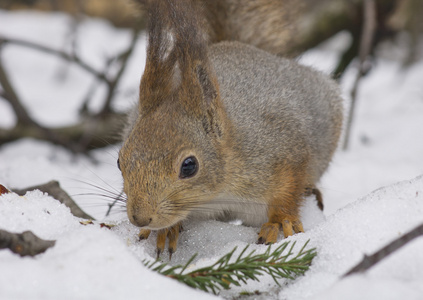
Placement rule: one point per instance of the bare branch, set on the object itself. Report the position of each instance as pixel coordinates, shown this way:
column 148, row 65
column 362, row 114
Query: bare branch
column 77, row 138
column 54, row 189
column 10, row 95
column 24, row 244
column 104, row 129
column 24, row 120
column 69, row 57
column 366, row 44
column 123, row 57
column 369, row 261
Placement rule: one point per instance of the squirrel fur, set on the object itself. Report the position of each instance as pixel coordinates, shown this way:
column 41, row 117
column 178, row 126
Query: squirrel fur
column 223, row 131
column 271, row 25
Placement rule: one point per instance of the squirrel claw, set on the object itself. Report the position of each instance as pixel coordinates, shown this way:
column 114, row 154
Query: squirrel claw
column 172, row 234
column 291, row 227
column 161, row 241
column 170, row 253
column 143, row 234
column 298, row 226
column 269, row 231
column 158, row 252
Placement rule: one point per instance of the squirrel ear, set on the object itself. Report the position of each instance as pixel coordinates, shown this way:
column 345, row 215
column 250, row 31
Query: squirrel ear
column 207, row 83
column 209, row 104
column 177, row 66
column 162, row 72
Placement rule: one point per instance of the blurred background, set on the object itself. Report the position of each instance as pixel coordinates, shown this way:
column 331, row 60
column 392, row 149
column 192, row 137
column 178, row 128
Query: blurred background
column 120, row 13
column 306, row 24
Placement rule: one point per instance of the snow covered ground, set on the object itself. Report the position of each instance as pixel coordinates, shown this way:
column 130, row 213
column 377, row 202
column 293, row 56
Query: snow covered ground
column 89, row 262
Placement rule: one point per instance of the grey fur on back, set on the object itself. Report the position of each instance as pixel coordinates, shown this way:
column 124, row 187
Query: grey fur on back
column 281, row 109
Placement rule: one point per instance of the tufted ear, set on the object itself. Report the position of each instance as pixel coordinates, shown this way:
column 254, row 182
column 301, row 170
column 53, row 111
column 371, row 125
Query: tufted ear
column 161, row 63
column 177, row 65
column 207, row 83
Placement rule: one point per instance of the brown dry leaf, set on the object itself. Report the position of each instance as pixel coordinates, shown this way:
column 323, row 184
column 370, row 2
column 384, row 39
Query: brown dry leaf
column 3, row 190
column 87, row 222
column 108, row 226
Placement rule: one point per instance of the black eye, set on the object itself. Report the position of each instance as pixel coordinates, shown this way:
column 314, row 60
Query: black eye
column 189, row 167
column 118, row 164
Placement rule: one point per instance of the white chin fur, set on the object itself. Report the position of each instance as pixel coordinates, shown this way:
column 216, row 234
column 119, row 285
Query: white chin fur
column 228, row 208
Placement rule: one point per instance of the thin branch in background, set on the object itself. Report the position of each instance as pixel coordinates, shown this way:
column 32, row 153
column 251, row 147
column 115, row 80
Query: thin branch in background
column 71, row 43
column 10, row 95
column 123, row 59
column 101, row 135
column 87, row 131
column 369, row 261
column 366, row 43
column 84, row 109
column 111, row 84
column 24, row 119
column 69, row 57
column 106, row 110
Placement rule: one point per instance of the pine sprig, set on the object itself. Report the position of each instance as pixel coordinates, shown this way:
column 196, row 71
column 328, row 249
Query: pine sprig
column 247, row 266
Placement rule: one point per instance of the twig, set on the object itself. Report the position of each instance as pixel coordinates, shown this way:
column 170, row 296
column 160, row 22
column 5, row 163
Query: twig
column 115, row 201
column 123, row 58
column 369, row 261
column 366, row 44
column 10, row 95
column 111, row 83
column 101, row 135
column 75, row 138
column 24, row 244
column 70, row 42
column 28, row 125
column 24, row 120
column 54, row 189
column 69, row 57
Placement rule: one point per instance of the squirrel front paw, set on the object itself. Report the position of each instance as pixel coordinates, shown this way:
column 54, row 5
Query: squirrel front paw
column 269, row 231
column 171, row 233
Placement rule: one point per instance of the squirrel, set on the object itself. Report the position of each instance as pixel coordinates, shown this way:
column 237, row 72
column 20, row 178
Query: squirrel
column 223, row 131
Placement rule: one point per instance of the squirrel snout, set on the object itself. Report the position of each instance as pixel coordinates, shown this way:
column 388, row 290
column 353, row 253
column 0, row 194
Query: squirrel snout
column 140, row 221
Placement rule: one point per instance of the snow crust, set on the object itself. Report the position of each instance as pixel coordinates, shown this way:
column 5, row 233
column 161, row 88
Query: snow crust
column 373, row 192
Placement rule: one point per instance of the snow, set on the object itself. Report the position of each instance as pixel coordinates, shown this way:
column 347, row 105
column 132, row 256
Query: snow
column 373, row 192
column 87, row 262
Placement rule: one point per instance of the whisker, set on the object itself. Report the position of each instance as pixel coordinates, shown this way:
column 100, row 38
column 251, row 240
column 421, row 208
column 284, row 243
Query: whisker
column 114, row 192
column 105, row 196
column 96, row 204
column 115, row 199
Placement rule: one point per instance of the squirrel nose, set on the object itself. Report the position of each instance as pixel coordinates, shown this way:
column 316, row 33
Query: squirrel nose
column 140, row 222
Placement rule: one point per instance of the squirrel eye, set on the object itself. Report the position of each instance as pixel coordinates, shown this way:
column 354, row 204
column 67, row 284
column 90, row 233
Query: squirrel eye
column 189, row 167
column 118, row 164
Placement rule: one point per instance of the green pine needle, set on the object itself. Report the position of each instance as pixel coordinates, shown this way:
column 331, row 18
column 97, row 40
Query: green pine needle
column 223, row 272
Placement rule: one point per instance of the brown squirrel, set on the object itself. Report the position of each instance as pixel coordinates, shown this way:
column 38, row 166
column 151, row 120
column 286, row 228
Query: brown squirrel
column 224, row 131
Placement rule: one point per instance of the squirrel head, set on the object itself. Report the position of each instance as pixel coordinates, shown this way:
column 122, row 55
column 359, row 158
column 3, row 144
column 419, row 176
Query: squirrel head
column 173, row 159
